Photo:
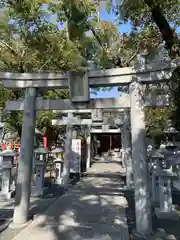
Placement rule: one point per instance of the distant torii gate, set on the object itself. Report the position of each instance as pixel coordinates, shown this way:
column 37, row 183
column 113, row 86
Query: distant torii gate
column 75, row 121
column 79, row 83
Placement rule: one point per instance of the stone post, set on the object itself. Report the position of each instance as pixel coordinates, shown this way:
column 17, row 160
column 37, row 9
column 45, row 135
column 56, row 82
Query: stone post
column 74, row 134
column 139, row 161
column 88, row 141
column 127, row 150
column 68, row 152
column 122, row 148
column 23, row 186
column 165, row 194
column 155, row 188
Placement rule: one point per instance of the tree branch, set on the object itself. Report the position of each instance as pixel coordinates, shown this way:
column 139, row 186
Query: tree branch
column 44, row 64
column 132, row 57
column 168, row 34
column 14, row 53
column 9, row 47
column 97, row 38
column 93, row 30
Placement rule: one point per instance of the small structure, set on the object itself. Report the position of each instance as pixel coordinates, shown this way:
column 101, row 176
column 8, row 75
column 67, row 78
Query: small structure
column 59, row 162
column 170, row 132
column 166, row 210
column 156, row 158
column 174, row 161
column 6, row 161
column 40, row 156
column 164, row 175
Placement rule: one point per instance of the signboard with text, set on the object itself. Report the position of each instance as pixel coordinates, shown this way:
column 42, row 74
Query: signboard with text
column 76, row 156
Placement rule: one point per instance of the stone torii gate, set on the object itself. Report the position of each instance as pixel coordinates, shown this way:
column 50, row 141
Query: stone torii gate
column 93, row 78
column 73, row 121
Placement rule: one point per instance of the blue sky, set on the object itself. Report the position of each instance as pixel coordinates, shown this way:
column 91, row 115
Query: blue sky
column 123, row 28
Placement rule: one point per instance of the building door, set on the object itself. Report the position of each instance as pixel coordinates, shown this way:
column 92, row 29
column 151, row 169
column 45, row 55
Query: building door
column 109, row 141
column 116, row 141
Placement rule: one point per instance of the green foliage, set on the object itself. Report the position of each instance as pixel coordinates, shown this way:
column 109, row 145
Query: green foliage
column 156, row 120
column 30, row 42
column 174, row 86
column 152, row 23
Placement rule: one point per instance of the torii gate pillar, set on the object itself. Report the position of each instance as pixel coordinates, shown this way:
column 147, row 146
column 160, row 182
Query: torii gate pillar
column 68, row 152
column 23, row 187
column 139, row 161
column 127, row 150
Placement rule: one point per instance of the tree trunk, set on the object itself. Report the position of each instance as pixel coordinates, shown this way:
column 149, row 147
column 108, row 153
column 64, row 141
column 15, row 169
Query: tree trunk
column 168, row 34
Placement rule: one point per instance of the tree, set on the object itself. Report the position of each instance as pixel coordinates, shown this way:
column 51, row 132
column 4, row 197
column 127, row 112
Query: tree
column 158, row 14
column 152, row 23
column 30, row 43
column 156, row 120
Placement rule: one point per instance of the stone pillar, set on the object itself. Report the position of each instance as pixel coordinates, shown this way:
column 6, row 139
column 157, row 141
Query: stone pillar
column 166, row 209
column 38, row 190
column 122, row 147
column 88, row 141
column 155, row 188
column 6, row 181
column 165, row 194
column 127, row 150
column 139, row 161
column 74, row 133
column 23, row 186
column 68, row 152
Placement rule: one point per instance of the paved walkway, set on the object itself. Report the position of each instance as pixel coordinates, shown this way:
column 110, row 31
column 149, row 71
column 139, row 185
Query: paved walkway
column 94, row 209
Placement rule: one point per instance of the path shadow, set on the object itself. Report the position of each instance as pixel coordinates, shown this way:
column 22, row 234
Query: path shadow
column 93, row 209
column 37, row 205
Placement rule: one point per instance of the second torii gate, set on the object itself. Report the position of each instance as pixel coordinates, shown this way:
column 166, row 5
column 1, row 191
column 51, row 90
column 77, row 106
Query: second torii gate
column 73, row 121
column 90, row 123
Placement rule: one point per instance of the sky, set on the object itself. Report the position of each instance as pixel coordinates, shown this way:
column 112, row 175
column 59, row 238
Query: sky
column 123, row 28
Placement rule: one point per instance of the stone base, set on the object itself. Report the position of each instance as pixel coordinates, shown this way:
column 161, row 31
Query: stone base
column 8, row 195
column 59, row 181
column 76, row 176
column 159, row 234
column 155, row 203
column 138, row 236
column 37, row 192
column 172, row 214
column 16, row 226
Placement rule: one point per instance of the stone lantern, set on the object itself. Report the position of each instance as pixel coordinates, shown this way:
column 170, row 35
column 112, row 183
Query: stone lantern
column 6, row 161
column 40, row 156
